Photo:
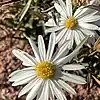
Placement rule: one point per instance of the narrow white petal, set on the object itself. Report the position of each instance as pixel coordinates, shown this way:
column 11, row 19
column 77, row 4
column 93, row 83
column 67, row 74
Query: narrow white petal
column 62, row 20
column 30, row 57
column 51, row 92
column 60, row 10
column 51, row 46
column 40, row 95
column 80, row 9
column 25, row 59
column 45, row 91
column 21, row 75
column 66, row 87
column 69, row 42
column 73, row 78
column 80, row 33
column 50, row 23
column 58, row 92
column 69, row 7
column 73, row 67
column 81, row 12
column 77, row 37
column 71, row 55
column 28, row 87
column 61, row 52
column 88, row 26
column 60, row 35
column 63, row 6
column 28, row 68
column 17, row 71
column 25, row 81
column 32, row 94
column 89, row 18
column 68, row 37
column 54, row 29
column 35, row 49
column 88, row 32
column 41, row 47
column 13, row 73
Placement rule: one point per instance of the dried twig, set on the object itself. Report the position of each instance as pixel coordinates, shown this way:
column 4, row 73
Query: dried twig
column 9, row 1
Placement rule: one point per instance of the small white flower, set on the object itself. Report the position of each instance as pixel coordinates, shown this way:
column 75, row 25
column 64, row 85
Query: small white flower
column 73, row 26
column 45, row 78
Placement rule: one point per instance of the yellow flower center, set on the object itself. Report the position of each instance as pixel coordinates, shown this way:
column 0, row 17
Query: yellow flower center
column 45, row 70
column 71, row 23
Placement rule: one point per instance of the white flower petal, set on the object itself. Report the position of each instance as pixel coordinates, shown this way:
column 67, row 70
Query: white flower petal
column 22, row 74
column 80, row 9
column 21, row 55
column 63, row 50
column 69, row 7
column 51, row 92
column 89, row 18
column 28, row 87
column 66, row 37
column 17, row 71
column 54, row 29
column 77, row 37
column 81, row 12
column 66, row 87
column 13, row 73
column 73, row 78
column 71, row 55
column 25, row 81
column 50, row 23
column 60, row 10
column 61, row 35
column 57, row 91
column 41, row 47
column 51, row 46
column 88, row 32
column 35, row 49
column 30, row 57
column 69, row 42
column 45, row 91
column 88, row 26
column 63, row 6
column 28, row 68
column 62, row 20
column 41, row 91
column 73, row 67
column 32, row 94
column 80, row 33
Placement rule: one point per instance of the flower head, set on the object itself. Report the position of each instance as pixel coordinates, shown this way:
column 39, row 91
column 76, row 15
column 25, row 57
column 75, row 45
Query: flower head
column 45, row 78
column 73, row 26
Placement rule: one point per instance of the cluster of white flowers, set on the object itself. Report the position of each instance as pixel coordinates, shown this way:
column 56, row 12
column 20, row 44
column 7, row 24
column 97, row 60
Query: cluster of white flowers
column 47, row 72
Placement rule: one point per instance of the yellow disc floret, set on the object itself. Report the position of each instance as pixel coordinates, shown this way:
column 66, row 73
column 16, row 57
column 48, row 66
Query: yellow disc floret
column 45, row 70
column 71, row 23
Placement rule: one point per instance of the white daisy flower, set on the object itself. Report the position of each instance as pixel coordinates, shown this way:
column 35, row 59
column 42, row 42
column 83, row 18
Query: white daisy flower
column 45, row 79
column 73, row 26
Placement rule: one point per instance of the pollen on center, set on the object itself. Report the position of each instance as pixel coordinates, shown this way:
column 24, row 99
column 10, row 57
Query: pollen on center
column 71, row 23
column 45, row 70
